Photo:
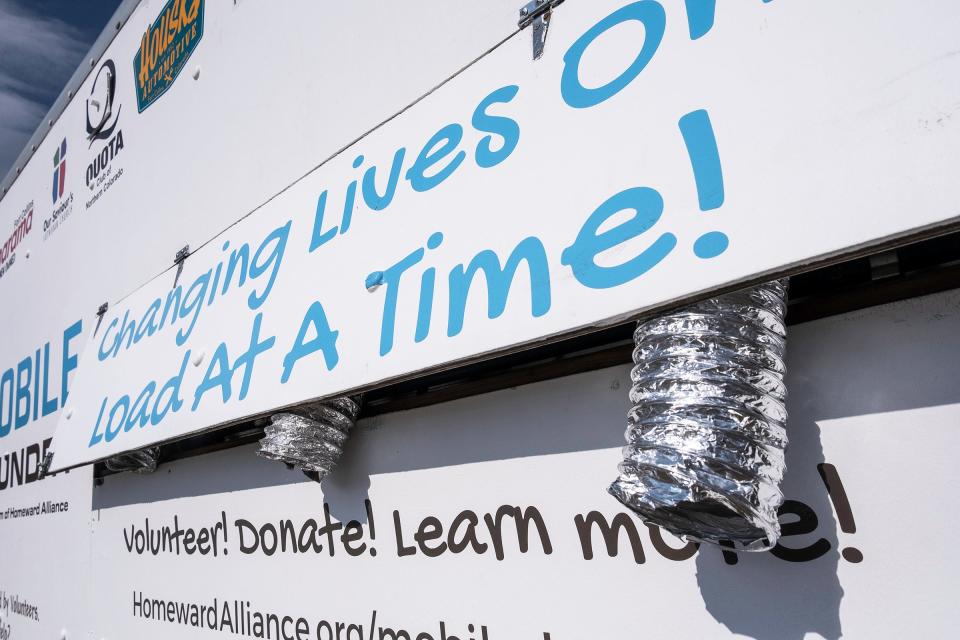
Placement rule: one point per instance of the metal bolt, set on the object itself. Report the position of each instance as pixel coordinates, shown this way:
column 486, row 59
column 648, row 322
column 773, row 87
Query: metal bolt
column 524, row 11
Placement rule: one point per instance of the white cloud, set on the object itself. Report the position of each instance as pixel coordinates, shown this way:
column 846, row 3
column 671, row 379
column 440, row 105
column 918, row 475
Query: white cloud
column 38, row 54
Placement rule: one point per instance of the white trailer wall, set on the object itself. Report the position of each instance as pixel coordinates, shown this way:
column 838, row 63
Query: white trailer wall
column 872, row 393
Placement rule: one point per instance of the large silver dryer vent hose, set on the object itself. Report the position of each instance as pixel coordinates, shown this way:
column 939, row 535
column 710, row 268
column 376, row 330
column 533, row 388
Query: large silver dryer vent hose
column 706, row 434
column 311, row 437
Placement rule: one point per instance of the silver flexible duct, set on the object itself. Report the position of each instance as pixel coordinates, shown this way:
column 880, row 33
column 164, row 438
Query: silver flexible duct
column 140, row 461
column 706, row 434
column 311, row 437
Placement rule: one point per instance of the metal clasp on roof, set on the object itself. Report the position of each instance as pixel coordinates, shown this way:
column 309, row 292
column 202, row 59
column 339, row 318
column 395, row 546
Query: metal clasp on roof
column 178, row 260
column 538, row 13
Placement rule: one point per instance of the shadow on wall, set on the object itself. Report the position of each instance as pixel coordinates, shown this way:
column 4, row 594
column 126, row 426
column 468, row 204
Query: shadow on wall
column 346, row 488
column 849, row 365
column 794, row 590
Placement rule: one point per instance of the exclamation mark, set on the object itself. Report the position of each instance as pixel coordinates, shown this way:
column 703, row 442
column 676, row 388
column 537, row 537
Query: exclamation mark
column 223, row 519
column 700, row 17
column 373, row 528
column 705, row 159
column 838, row 496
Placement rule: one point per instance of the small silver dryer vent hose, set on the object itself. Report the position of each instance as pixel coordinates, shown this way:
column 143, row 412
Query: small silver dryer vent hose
column 311, row 436
column 139, row 461
column 706, row 434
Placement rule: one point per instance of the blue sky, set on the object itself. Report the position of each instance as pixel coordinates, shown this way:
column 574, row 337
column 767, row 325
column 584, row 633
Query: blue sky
column 41, row 44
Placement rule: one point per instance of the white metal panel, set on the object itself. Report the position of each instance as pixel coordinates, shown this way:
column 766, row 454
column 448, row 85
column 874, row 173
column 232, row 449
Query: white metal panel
column 823, row 150
column 554, row 446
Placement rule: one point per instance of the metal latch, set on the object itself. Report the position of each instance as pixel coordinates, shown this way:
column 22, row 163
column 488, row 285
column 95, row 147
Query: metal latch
column 45, row 465
column 178, row 260
column 538, row 13
column 101, row 311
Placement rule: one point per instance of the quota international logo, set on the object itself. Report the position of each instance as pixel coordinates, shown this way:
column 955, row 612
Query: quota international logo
column 165, row 48
column 103, row 117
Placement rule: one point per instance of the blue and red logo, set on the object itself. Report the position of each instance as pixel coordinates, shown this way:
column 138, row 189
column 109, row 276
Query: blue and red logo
column 59, row 170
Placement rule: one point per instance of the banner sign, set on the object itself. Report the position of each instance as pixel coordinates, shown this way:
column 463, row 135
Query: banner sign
column 656, row 152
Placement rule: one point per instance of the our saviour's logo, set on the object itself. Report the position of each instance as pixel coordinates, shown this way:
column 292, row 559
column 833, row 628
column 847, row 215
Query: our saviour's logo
column 103, row 117
column 165, row 47
column 62, row 200
column 59, row 170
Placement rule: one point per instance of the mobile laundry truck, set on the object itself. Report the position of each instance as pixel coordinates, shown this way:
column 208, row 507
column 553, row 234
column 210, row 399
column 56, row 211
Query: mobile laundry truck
column 448, row 218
